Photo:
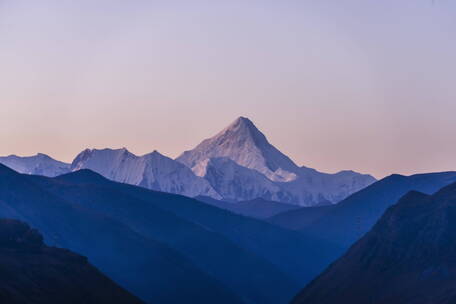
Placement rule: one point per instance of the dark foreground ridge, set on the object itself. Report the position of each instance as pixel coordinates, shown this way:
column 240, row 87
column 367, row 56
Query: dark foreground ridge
column 408, row 257
column 31, row 272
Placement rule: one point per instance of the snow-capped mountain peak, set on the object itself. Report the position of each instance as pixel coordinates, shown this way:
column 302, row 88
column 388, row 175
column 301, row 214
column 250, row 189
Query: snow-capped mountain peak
column 237, row 164
column 243, row 129
column 243, row 143
column 115, row 164
column 39, row 164
column 153, row 171
column 235, row 183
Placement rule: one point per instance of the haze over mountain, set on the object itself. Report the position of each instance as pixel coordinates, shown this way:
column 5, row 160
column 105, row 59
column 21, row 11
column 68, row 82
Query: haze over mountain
column 344, row 223
column 158, row 216
column 347, row 221
column 257, row 208
column 32, row 272
column 238, row 164
column 409, row 256
column 153, row 242
column 274, row 210
column 144, row 266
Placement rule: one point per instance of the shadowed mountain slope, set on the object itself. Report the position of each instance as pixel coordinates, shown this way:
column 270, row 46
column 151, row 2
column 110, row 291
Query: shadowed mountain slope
column 254, row 278
column 257, row 208
column 347, row 221
column 145, row 267
column 31, row 272
column 259, row 170
column 237, row 164
column 293, row 254
column 409, row 256
column 299, row 219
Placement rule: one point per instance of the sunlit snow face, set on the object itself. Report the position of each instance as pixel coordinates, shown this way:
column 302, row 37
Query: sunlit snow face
column 335, row 85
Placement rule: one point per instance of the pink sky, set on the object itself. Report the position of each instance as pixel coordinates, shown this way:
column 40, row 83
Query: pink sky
column 363, row 85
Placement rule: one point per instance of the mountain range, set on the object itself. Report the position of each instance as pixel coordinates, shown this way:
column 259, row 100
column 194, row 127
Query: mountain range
column 211, row 254
column 349, row 220
column 409, row 256
column 346, row 222
column 237, row 164
column 152, row 242
column 153, row 171
column 40, row 164
column 217, row 249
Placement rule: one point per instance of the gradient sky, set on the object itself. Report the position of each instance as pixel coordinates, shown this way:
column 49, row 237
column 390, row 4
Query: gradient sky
column 366, row 85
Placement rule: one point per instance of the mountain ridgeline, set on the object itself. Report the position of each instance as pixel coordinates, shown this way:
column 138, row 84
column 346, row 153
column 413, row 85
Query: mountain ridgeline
column 164, row 248
column 145, row 267
column 122, row 212
column 237, row 164
column 409, row 256
column 39, row 164
column 32, row 272
column 345, row 223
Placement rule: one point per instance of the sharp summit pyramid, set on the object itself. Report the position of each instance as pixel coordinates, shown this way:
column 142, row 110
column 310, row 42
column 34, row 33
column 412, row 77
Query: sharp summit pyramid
column 237, row 164
column 243, row 143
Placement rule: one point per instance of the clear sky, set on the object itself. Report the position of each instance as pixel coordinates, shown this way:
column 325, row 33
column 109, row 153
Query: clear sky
column 366, row 85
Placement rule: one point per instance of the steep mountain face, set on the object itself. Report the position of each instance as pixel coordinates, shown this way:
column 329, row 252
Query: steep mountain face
column 153, row 171
column 32, row 272
column 234, row 182
column 344, row 223
column 243, row 143
column 347, row 221
column 238, row 164
column 292, row 258
column 252, row 277
column 294, row 254
column 150, row 242
column 141, row 264
column 313, row 188
column 408, row 257
column 284, row 181
column 39, row 164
